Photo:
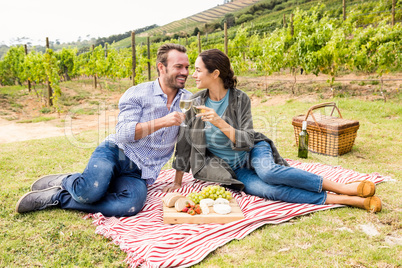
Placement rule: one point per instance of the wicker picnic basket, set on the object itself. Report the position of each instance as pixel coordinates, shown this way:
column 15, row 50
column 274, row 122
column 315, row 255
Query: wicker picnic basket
column 328, row 135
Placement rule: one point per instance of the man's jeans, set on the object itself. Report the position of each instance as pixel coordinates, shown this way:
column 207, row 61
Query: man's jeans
column 111, row 184
column 263, row 178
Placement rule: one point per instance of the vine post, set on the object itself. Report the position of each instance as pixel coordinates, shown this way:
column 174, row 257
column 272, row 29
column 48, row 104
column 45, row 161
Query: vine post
column 225, row 26
column 49, row 88
column 134, row 57
column 293, row 68
column 199, row 42
column 29, row 81
column 149, row 58
column 243, row 52
column 206, row 32
column 95, row 82
column 393, row 12
column 291, row 25
column 284, row 20
column 344, row 9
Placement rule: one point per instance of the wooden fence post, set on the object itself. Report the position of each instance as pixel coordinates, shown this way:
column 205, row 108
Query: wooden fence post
column 49, row 88
column 393, row 12
column 134, row 57
column 29, row 81
column 225, row 27
column 344, row 9
column 206, row 32
column 95, row 79
column 149, row 58
column 199, row 42
column 291, row 25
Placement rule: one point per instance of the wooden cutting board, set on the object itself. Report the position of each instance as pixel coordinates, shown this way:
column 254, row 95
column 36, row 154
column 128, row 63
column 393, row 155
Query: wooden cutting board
column 171, row 216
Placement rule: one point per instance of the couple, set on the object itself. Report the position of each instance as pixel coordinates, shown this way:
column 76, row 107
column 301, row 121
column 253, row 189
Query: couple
column 230, row 152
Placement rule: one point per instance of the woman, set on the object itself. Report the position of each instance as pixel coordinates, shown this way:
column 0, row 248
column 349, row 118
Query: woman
column 231, row 153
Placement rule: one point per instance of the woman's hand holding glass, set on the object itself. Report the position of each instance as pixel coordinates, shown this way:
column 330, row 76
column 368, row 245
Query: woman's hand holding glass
column 198, row 106
column 208, row 115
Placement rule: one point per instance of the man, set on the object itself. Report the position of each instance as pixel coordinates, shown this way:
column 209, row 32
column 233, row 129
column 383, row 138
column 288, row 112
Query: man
column 116, row 177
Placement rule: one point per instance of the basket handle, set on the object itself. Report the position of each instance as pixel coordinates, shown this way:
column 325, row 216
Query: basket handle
column 322, row 105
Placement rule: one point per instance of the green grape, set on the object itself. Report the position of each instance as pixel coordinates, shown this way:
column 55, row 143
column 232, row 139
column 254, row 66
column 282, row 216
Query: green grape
column 194, row 196
column 211, row 191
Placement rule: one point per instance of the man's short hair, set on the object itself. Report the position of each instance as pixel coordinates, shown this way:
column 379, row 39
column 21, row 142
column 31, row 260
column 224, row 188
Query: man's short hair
column 163, row 53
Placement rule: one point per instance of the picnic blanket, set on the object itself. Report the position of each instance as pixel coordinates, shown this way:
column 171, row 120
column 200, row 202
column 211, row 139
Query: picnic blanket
column 151, row 243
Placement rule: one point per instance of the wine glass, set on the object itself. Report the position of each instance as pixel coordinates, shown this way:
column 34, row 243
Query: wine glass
column 185, row 104
column 197, row 102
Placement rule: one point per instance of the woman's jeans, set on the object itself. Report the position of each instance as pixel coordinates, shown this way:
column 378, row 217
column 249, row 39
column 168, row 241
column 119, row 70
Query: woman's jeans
column 111, row 184
column 262, row 177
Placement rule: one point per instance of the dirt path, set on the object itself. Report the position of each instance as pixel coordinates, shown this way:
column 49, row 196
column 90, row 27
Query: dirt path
column 66, row 125
column 13, row 132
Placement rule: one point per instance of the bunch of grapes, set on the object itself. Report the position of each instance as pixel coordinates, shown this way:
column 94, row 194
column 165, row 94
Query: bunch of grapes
column 215, row 191
column 195, row 197
column 211, row 191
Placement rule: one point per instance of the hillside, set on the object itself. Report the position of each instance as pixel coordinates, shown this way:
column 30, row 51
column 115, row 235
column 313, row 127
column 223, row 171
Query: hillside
column 188, row 24
column 264, row 15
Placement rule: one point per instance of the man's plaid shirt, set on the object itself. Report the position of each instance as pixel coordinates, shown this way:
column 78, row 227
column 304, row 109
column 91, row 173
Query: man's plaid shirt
column 143, row 103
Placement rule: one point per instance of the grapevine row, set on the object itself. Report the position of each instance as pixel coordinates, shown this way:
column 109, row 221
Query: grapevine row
column 316, row 42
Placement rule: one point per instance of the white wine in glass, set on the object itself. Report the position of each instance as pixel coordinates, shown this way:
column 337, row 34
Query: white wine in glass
column 196, row 104
column 199, row 108
column 185, row 104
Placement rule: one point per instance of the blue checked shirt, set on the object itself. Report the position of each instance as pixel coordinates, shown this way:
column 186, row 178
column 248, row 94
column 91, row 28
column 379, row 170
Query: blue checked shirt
column 143, row 103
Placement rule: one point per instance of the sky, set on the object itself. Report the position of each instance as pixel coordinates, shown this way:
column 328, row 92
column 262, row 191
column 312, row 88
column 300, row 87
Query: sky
column 68, row 20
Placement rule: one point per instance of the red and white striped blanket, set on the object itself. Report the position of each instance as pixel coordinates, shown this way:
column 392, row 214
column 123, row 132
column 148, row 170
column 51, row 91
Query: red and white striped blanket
column 150, row 243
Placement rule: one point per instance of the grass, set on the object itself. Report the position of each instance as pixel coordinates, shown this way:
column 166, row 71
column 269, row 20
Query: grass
column 332, row 238
column 10, row 96
column 36, row 120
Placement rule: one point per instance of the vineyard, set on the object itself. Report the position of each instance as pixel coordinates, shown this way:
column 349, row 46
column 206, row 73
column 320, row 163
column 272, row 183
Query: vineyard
column 203, row 17
column 313, row 41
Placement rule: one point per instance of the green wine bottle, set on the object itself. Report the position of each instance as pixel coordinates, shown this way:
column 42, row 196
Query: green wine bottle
column 303, row 141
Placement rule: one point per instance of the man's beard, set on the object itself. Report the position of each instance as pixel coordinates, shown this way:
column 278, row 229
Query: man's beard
column 171, row 81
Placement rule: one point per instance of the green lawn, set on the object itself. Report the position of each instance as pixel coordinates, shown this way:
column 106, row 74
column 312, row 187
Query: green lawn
column 333, row 238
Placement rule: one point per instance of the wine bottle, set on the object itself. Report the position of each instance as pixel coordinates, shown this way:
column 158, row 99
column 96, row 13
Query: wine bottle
column 303, row 141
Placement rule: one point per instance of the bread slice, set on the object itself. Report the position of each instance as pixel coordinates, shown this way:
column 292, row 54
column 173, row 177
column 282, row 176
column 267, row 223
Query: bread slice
column 171, row 198
column 181, row 203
